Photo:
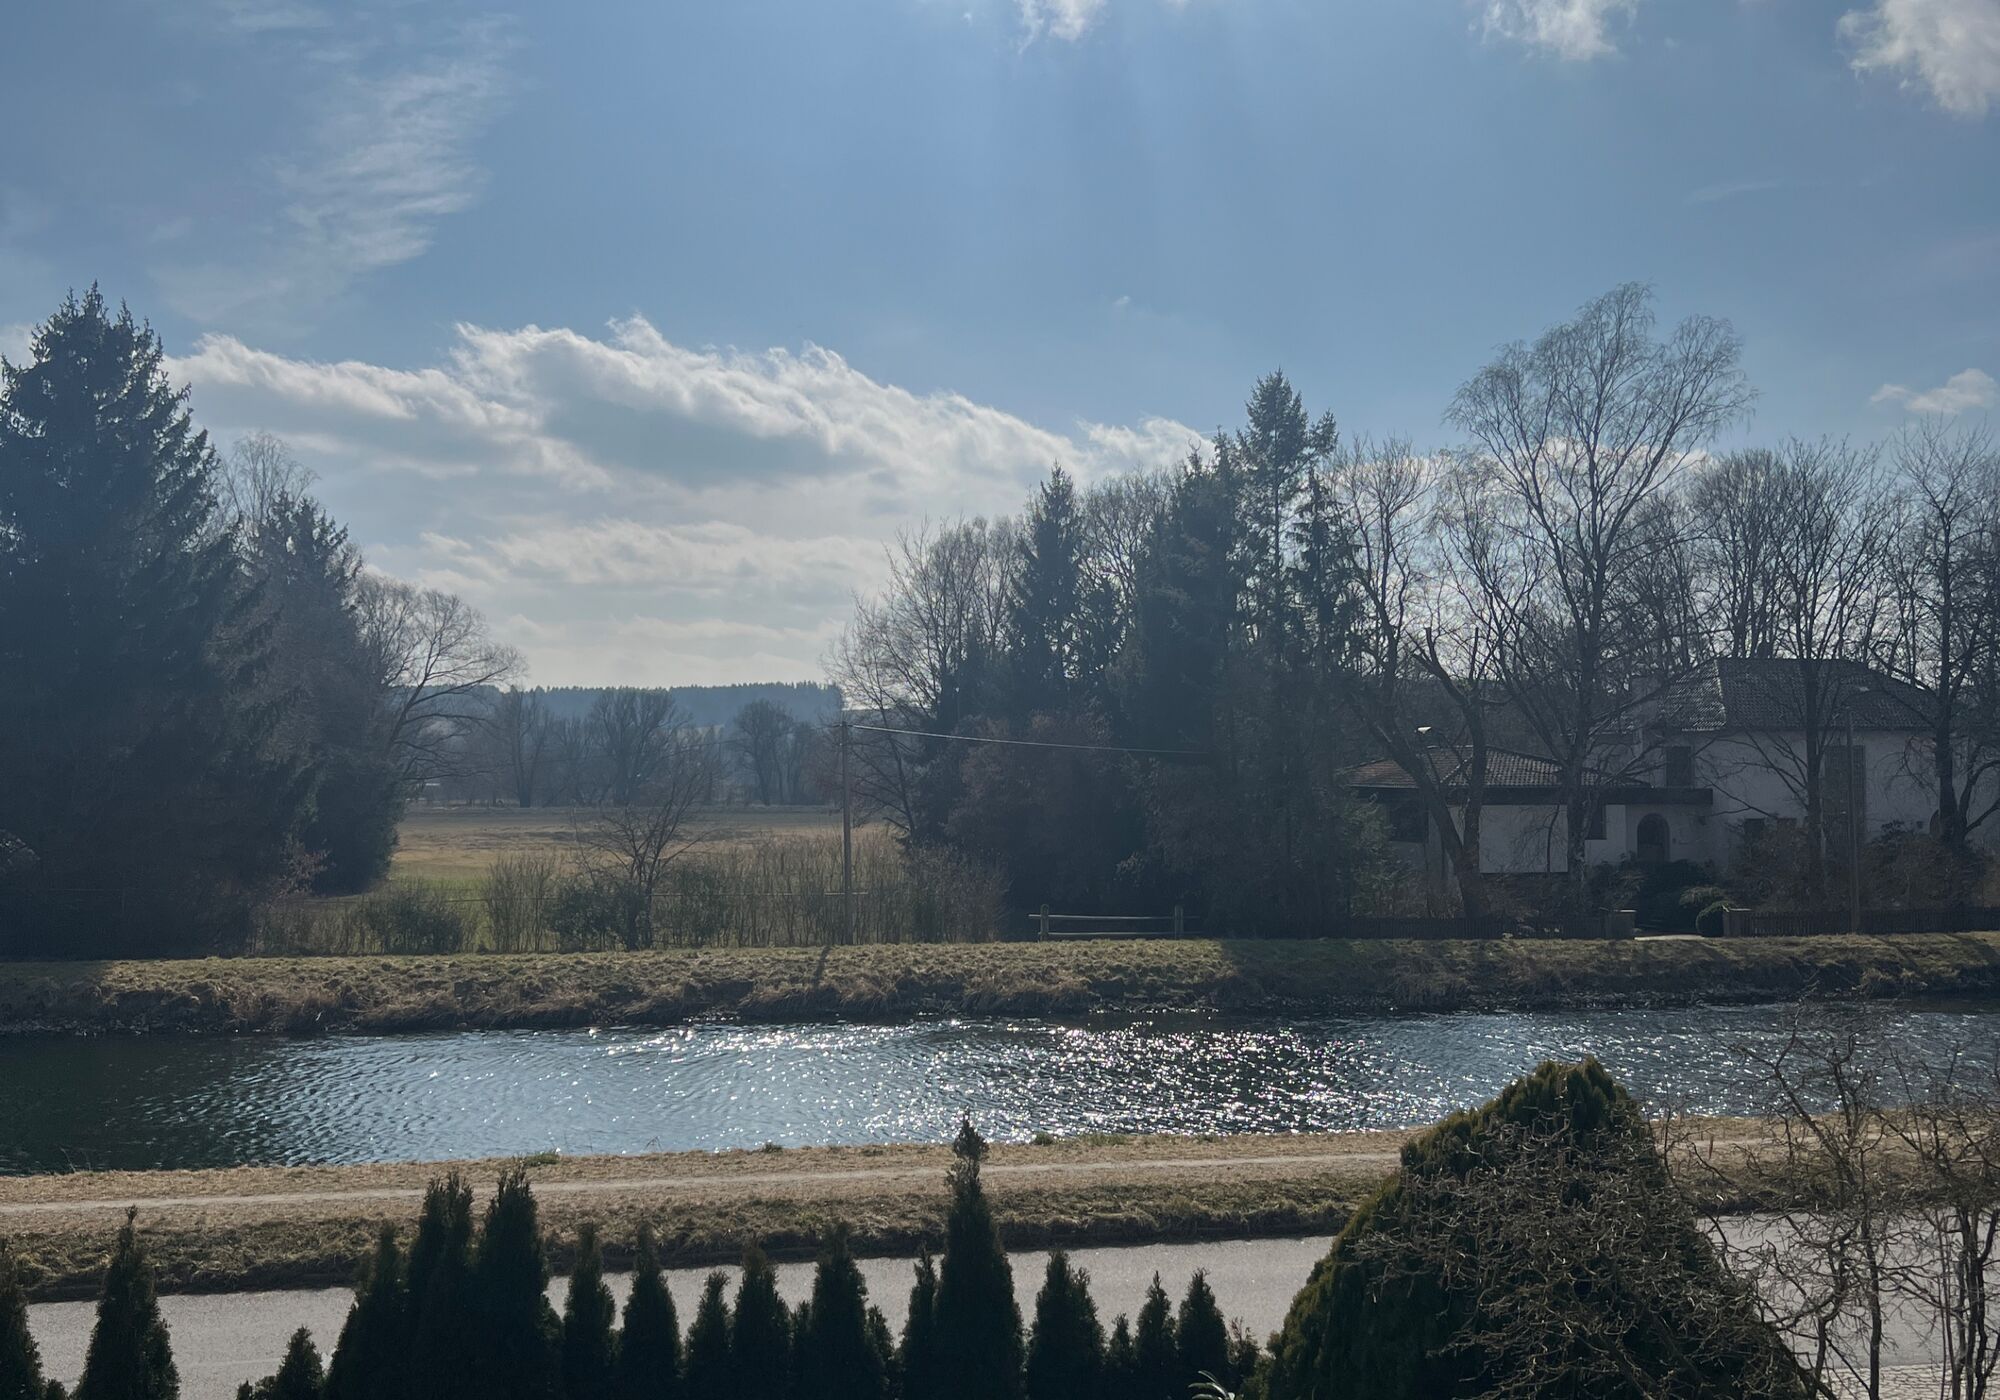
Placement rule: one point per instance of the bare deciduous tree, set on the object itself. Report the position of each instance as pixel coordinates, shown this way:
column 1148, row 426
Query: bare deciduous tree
column 630, row 842
column 436, row 660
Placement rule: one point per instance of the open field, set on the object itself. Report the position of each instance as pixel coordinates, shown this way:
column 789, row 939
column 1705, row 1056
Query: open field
column 381, row 995
column 460, row 843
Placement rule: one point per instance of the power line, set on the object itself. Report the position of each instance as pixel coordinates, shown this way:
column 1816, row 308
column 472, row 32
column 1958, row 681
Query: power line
column 1031, row 743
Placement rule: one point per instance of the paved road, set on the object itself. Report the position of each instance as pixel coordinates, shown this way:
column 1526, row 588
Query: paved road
column 928, row 1172
column 225, row 1339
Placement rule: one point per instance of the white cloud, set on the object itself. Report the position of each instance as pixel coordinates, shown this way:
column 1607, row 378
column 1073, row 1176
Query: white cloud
column 1950, row 47
column 565, row 478
column 1060, row 19
column 1573, row 30
column 15, row 340
column 1968, row 389
column 383, row 156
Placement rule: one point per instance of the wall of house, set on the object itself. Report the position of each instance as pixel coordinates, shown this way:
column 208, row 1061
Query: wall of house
column 1760, row 778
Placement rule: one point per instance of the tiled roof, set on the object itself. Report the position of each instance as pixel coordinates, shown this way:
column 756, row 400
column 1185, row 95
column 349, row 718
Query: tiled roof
column 1736, row 693
column 1504, row 768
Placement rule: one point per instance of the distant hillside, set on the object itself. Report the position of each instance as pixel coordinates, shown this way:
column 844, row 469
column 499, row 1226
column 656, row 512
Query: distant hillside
column 711, row 705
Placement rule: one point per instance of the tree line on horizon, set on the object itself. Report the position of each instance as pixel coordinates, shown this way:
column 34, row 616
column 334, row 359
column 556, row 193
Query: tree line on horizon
column 1290, row 602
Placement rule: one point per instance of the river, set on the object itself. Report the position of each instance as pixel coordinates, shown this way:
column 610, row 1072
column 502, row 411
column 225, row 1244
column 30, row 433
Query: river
column 158, row 1102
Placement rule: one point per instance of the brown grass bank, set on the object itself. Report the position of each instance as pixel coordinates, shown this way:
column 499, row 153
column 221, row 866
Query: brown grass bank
column 382, row 995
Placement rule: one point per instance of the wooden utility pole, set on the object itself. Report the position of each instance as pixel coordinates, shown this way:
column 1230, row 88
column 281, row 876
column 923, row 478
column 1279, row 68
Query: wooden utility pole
column 846, row 837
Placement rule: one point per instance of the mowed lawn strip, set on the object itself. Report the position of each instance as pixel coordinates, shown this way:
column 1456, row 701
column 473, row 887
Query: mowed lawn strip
column 383, row 995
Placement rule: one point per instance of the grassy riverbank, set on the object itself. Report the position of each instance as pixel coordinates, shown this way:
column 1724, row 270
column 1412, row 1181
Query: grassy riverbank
column 381, row 995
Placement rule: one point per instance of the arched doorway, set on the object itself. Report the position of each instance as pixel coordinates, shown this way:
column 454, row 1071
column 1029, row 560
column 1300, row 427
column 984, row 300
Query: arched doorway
column 1655, row 840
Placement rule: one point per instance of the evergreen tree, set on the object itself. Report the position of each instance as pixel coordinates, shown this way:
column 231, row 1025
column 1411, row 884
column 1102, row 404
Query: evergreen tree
column 587, row 1325
column 838, row 1359
column 1066, row 1347
column 1277, row 454
column 299, row 1375
column 1121, row 1363
column 20, row 1361
column 442, row 1315
column 1184, row 611
column 371, row 1361
column 919, row 1358
column 306, row 573
column 648, row 1364
column 1050, row 626
column 978, row 1320
column 518, row 1335
column 883, row 1345
column 1156, row 1368
column 760, row 1333
column 1201, row 1337
column 709, row 1374
column 137, row 746
column 130, row 1357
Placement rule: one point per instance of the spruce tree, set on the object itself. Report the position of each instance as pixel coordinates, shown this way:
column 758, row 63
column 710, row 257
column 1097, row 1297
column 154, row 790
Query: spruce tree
column 1156, row 1367
column 709, row 1375
column 760, row 1332
column 20, row 1361
column 137, row 753
column 442, row 1318
column 1047, row 625
column 978, row 1319
column 919, row 1359
column 648, row 1358
column 588, row 1318
column 883, row 1345
column 838, row 1359
column 1201, row 1337
column 130, row 1356
column 371, row 1361
column 1121, row 1364
column 518, row 1336
column 1066, row 1346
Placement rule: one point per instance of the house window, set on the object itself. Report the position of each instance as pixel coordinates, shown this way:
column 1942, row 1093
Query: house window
column 1680, row 767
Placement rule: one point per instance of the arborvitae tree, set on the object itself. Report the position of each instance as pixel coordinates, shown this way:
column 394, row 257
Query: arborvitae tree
column 136, row 742
column 978, row 1320
column 442, row 1316
column 919, row 1358
column 1377, row 1320
column 130, row 1357
column 1201, row 1337
column 20, row 1362
column 1066, row 1347
column 838, row 1359
column 589, row 1316
column 883, row 1345
column 760, row 1332
column 1156, row 1367
column 648, row 1362
column 299, row 1375
column 1121, row 1363
column 709, row 1375
column 518, row 1333
column 371, row 1361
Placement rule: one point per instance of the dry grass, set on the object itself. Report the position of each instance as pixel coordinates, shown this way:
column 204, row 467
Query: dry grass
column 461, row 843
column 391, row 994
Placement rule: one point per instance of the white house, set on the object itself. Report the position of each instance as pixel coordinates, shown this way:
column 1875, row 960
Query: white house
column 1707, row 765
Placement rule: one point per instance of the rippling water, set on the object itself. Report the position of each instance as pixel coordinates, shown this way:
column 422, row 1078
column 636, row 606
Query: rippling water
column 125, row 1103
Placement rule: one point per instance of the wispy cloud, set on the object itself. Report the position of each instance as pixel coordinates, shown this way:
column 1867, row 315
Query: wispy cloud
column 390, row 119
column 1951, row 48
column 1968, row 389
column 1059, row 19
column 1573, row 30
column 1732, row 189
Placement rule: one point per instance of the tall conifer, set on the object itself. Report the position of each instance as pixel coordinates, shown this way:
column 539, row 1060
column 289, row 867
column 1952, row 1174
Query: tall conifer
column 130, row 1356
column 587, row 1325
column 648, row 1365
column 1066, row 1347
column 978, row 1319
column 760, row 1332
column 20, row 1361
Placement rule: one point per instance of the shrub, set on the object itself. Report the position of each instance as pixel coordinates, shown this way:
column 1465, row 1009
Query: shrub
column 1486, row 1266
column 1156, row 1364
column 299, row 1375
column 130, row 1356
column 708, row 1369
column 838, row 1358
column 1121, row 1363
column 519, row 894
column 588, row 1316
column 594, row 914
column 978, row 1320
column 441, row 1294
column 517, row 1332
column 412, row 917
column 20, row 1362
column 648, row 1359
column 370, row 1358
column 1066, row 1347
column 760, row 1333
column 920, row 1358
column 1201, row 1338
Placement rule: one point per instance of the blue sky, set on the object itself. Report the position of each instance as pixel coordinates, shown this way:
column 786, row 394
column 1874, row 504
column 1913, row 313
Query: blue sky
column 644, row 325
